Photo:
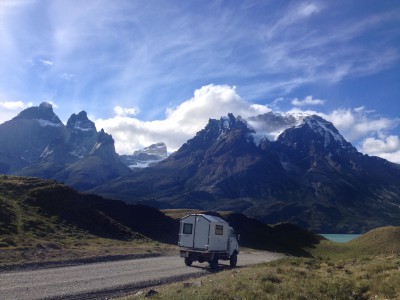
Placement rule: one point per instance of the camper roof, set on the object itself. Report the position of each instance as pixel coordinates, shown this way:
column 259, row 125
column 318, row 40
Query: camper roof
column 208, row 217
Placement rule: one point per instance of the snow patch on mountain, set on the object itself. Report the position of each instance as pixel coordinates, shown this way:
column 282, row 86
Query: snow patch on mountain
column 82, row 126
column 325, row 129
column 45, row 123
column 47, row 152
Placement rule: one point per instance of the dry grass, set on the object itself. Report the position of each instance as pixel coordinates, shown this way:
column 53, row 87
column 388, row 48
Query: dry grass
column 180, row 213
column 36, row 251
column 296, row 278
column 365, row 268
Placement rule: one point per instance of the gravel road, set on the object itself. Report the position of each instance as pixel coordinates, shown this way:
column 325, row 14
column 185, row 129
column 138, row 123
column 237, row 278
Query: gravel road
column 105, row 279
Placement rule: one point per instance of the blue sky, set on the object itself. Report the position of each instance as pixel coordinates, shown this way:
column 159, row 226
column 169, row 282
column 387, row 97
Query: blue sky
column 156, row 70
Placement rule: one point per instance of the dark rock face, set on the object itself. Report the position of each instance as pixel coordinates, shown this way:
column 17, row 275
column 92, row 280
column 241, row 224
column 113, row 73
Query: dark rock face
column 25, row 138
column 310, row 176
column 43, row 112
column 80, row 123
column 37, row 143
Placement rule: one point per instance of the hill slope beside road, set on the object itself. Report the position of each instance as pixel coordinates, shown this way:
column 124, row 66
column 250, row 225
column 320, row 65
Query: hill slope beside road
column 108, row 279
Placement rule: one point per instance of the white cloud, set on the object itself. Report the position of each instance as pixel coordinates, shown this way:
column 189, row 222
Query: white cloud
column 343, row 119
column 356, row 124
column 12, row 105
column 68, row 76
column 123, row 111
column 53, row 104
column 9, row 109
column 292, row 16
column 309, row 100
column 45, row 62
column 390, row 144
column 182, row 122
column 388, row 147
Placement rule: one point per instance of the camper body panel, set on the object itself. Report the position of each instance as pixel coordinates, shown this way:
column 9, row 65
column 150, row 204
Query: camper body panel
column 207, row 238
column 194, row 231
column 204, row 232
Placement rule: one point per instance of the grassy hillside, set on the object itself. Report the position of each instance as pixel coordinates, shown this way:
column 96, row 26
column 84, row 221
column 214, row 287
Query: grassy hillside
column 380, row 241
column 45, row 220
column 365, row 268
column 294, row 279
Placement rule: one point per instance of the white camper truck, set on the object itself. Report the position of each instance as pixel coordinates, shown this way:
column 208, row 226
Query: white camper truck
column 207, row 238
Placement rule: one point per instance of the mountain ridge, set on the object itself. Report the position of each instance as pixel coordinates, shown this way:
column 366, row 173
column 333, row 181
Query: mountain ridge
column 275, row 167
column 310, row 176
column 37, row 143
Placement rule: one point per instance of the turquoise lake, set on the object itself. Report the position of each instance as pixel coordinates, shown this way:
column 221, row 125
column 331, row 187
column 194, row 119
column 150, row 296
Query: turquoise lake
column 340, row 238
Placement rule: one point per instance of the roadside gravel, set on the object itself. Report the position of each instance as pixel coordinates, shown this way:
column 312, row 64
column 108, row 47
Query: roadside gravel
column 106, row 279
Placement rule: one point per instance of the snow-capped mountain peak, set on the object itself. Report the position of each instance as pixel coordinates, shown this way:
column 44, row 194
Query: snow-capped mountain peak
column 144, row 157
column 272, row 126
column 325, row 129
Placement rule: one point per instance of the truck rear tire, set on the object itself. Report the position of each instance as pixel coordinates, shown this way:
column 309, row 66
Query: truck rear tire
column 188, row 261
column 214, row 263
column 233, row 260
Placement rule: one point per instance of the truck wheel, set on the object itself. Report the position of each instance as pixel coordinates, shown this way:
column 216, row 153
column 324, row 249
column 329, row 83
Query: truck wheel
column 188, row 261
column 214, row 263
column 233, row 260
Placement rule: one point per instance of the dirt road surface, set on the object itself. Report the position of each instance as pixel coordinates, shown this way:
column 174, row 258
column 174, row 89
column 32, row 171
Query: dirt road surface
column 106, row 279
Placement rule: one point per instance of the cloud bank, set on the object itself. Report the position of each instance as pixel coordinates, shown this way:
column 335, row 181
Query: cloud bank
column 307, row 101
column 9, row 109
column 181, row 122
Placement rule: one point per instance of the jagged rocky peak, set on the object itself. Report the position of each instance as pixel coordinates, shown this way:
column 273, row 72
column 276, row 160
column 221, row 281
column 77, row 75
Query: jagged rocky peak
column 104, row 145
column 227, row 123
column 104, row 138
column 231, row 122
column 81, row 122
column 215, row 129
column 43, row 113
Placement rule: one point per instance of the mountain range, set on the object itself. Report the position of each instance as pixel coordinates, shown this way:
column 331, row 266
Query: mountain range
column 37, row 143
column 274, row 167
column 309, row 175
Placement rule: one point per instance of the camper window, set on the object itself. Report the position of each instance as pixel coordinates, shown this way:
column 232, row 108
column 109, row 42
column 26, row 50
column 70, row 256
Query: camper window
column 219, row 229
column 187, row 228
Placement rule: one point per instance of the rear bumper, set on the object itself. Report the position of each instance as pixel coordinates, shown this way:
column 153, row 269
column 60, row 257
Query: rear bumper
column 203, row 255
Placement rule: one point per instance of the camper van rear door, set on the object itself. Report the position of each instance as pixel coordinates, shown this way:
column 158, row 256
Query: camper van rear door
column 201, row 233
column 186, row 235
